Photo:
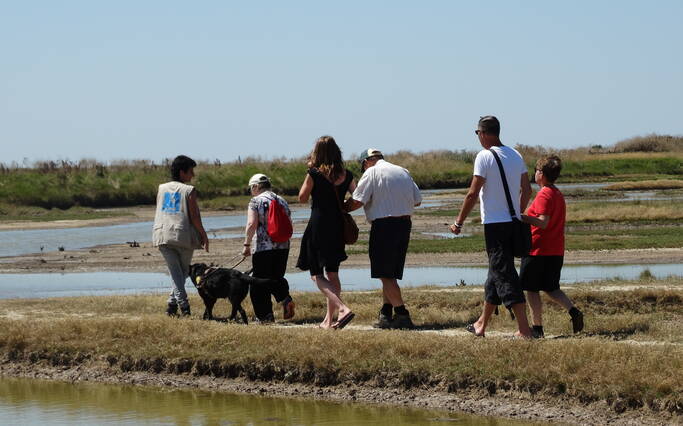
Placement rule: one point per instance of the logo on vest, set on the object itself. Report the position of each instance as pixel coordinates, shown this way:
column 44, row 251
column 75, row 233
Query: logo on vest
column 171, row 203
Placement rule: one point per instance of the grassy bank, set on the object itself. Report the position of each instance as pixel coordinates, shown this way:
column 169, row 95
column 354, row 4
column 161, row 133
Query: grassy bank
column 88, row 183
column 577, row 238
column 129, row 333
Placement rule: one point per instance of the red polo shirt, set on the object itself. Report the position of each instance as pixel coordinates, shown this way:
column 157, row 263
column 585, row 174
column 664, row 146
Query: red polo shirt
column 549, row 241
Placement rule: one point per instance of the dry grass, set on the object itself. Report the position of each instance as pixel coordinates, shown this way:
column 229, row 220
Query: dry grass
column 627, row 211
column 646, row 185
column 131, row 333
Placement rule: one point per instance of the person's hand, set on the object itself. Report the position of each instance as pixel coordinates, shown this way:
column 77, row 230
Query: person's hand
column 455, row 229
column 205, row 242
column 246, row 251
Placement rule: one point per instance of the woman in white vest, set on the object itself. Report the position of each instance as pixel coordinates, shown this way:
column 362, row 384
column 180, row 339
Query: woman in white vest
column 178, row 229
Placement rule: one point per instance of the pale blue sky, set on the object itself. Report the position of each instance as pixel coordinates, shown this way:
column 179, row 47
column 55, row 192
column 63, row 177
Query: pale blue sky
column 218, row 79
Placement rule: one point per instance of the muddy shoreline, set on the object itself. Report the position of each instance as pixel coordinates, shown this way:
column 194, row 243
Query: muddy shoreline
column 502, row 404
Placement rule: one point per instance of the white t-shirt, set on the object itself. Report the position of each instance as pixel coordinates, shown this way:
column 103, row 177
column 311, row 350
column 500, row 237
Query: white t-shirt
column 387, row 190
column 492, row 201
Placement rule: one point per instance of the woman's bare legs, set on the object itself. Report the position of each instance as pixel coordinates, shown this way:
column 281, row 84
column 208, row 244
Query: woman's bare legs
column 331, row 288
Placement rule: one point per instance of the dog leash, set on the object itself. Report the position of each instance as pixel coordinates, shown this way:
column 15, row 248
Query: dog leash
column 213, row 269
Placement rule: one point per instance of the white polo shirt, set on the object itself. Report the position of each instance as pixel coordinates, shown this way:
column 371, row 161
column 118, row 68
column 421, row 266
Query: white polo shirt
column 387, row 190
column 492, row 200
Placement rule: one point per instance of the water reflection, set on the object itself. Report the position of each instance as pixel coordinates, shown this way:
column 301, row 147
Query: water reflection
column 107, row 283
column 34, row 402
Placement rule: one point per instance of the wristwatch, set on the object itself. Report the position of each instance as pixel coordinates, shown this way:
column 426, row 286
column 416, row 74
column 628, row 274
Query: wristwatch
column 457, row 225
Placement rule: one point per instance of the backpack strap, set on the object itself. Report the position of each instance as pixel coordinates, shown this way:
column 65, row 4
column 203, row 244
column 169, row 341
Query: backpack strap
column 513, row 215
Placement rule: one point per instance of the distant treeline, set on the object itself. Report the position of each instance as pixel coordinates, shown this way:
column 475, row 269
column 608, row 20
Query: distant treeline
column 63, row 184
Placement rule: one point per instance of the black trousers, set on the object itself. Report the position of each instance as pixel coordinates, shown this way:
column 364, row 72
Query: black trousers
column 268, row 264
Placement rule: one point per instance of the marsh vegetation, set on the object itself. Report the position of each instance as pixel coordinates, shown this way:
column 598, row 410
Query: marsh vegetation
column 635, row 326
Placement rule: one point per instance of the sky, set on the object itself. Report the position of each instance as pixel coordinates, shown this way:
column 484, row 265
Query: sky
column 225, row 79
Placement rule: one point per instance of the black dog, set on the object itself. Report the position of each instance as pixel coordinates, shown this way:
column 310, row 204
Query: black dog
column 218, row 283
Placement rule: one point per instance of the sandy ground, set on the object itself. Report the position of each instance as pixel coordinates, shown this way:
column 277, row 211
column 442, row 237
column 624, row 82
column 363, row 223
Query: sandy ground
column 226, row 252
column 513, row 405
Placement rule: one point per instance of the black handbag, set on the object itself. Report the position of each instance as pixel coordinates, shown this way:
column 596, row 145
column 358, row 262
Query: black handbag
column 521, row 232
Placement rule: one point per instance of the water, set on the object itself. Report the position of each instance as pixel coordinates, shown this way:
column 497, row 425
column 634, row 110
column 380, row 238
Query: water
column 30, row 241
column 107, row 283
column 35, row 402
column 228, row 226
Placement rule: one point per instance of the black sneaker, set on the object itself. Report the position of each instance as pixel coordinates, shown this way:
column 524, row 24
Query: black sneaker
column 185, row 311
column 383, row 321
column 402, row 322
column 267, row 320
column 172, row 310
column 577, row 319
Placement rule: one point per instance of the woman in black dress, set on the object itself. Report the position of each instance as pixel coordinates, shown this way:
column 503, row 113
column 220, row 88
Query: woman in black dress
column 322, row 245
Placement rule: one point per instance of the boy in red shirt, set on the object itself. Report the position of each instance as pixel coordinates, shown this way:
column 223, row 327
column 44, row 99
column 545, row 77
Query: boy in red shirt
column 541, row 269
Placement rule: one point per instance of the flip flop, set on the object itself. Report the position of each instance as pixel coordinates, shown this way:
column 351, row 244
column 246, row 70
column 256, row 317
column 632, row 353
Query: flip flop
column 470, row 328
column 343, row 321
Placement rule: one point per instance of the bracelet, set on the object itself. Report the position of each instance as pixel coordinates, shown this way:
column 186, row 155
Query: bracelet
column 246, row 245
column 457, row 225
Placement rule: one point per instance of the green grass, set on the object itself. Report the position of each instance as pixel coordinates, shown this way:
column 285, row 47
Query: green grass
column 575, row 239
column 37, row 214
column 130, row 333
column 87, row 183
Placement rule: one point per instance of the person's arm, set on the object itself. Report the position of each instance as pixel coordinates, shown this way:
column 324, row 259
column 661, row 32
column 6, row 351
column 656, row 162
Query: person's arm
column 468, row 203
column 306, row 188
column 196, row 219
column 352, row 186
column 252, row 223
column 525, row 194
column 540, row 222
column 417, row 195
column 362, row 193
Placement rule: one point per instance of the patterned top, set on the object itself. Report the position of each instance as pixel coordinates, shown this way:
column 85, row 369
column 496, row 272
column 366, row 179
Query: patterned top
column 261, row 204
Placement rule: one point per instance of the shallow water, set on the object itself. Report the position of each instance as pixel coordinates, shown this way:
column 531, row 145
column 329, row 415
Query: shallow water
column 37, row 402
column 30, row 241
column 228, row 226
column 106, row 283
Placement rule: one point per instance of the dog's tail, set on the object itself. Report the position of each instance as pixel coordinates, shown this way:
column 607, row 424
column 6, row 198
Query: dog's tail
column 267, row 282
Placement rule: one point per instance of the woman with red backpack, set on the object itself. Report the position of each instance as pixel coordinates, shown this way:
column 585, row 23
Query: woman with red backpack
column 267, row 235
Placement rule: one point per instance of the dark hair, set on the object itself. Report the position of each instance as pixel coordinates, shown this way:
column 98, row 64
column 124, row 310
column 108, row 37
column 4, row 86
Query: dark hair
column 181, row 163
column 327, row 157
column 551, row 166
column 263, row 185
column 489, row 124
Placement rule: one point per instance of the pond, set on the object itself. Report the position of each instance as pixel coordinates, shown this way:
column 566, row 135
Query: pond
column 35, row 402
column 107, row 283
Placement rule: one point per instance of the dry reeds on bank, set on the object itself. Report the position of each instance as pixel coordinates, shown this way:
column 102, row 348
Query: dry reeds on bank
column 630, row 352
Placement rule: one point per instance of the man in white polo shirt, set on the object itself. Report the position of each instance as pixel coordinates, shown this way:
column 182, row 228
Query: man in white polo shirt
column 389, row 196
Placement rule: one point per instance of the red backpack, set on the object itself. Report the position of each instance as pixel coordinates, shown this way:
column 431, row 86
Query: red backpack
column 279, row 225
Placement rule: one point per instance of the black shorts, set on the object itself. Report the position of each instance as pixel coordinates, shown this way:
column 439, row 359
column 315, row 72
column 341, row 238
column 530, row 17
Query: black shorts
column 389, row 238
column 541, row 273
column 502, row 284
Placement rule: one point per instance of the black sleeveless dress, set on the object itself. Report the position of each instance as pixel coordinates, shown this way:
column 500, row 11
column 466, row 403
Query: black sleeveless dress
column 322, row 244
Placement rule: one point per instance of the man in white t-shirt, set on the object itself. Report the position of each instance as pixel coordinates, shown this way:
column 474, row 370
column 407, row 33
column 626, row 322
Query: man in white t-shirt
column 502, row 284
column 389, row 195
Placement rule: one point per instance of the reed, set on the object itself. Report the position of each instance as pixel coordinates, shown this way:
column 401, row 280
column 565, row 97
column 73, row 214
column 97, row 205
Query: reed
column 129, row 333
column 89, row 183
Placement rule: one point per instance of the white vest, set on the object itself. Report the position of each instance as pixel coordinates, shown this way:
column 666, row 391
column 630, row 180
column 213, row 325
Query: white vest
column 172, row 219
